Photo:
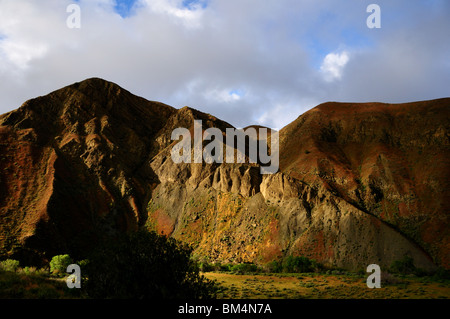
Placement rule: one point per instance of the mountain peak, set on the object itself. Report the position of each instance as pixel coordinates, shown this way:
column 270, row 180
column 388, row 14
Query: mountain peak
column 96, row 84
column 84, row 101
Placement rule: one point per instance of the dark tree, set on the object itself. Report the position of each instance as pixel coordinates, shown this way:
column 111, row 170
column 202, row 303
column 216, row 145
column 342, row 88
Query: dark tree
column 145, row 265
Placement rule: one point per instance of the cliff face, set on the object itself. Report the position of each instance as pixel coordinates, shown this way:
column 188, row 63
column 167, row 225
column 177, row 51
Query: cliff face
column 387, row 160
column 73, row 167
column 358, row 183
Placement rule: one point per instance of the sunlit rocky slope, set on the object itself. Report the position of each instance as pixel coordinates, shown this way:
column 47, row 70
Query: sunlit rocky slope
column 358, row 183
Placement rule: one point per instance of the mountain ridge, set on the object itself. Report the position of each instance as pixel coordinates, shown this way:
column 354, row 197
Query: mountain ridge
column 92, row 159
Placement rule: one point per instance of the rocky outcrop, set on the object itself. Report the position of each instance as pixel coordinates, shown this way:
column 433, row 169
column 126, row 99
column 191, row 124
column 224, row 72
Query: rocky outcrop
column 282, row 216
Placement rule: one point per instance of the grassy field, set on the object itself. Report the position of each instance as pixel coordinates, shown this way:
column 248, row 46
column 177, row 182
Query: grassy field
column 15, row 285
column 253, row 286
column 323, row 286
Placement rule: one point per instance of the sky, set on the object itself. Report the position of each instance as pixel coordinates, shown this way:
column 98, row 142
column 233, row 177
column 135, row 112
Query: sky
column 247, row 62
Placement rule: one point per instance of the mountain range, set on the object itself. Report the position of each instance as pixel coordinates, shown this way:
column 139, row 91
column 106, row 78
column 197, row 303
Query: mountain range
column 358, row 183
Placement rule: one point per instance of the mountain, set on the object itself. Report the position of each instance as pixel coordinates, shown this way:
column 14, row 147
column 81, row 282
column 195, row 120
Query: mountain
column 388, row 160
column 359, row 183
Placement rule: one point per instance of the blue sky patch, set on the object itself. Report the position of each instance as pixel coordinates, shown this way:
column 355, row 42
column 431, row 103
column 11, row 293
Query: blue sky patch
column 192, row 4
column 124, row 7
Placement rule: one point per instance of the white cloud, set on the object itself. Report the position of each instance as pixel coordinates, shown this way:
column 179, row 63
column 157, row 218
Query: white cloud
column 284, row 112
column 244, row 61
column 190, row 18
column 222, row 95
column 21, row 53
column 333, row 65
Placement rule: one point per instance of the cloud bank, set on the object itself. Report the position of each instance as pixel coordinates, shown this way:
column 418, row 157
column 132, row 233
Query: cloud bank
column 246, row 62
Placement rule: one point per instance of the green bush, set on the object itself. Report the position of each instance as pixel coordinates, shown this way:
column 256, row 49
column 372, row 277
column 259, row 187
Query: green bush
column 9, row 265
column 441, row 274
column 297, row 264
column 59, row 263
column 83, row 263
column 274, row 267
column 205, row 267
column 224, row 267
column 28, row 270
column 403, row 266
column 244, row 268
column 145, row 265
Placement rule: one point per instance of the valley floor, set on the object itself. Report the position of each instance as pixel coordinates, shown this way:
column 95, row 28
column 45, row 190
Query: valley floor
column 324, row 286
column 254, row 286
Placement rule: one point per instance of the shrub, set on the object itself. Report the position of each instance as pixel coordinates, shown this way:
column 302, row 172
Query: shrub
column 28, row 270
column 274, row 267
column 297, row 264
column 144, row 265
column 83, row 263
column 225, row 267
column 421, row 272
column 205, row 267
column 59, row 264
column 441, row 274
column 244, row 268
column 9, row 265
column 403, row 266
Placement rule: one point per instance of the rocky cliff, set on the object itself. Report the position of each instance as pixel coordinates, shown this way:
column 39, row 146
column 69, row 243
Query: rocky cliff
column 358, row 183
